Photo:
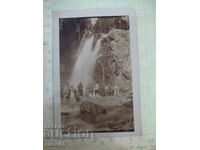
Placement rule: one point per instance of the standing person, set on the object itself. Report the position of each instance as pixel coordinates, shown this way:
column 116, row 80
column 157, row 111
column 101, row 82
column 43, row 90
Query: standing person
column 116, row 91
column 106, row 90
column 87, row 90
column 96, row 88
column 112, row 91
column 76, row 95
column 93, row 90
column 109, row 90
column 68, row 94
column 65, row 92
column 62, row 93
column 61, row 90
column 90, row 89
column 72, row 93
column 80, row 89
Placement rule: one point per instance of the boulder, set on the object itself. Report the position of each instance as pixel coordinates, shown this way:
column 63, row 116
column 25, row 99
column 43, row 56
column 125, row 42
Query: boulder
column 91, row 108
column 129, row 104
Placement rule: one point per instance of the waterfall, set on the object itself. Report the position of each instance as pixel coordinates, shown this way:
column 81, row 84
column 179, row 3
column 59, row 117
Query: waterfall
column 85, row 62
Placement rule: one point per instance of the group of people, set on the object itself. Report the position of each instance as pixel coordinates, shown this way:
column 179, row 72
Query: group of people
column 78, row 92
column 111, row 91
column 91, row 89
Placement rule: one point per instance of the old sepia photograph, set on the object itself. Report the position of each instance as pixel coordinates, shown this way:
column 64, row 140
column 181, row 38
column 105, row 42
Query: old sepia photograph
column 96, row 74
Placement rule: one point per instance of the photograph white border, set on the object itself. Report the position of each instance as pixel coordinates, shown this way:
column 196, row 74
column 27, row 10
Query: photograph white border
column 134, row 62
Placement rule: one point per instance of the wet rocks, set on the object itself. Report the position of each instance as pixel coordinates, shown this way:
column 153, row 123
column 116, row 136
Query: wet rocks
column 129, row 104
column 113, row 67
column 90, row 108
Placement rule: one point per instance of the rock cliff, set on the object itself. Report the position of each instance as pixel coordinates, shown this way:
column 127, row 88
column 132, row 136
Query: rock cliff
column 113, row 67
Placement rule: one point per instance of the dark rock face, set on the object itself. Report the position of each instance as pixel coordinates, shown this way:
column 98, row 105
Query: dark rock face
column 129, row 104
column 91, row 108
column 105, row 24
column 113, row 68
column 71, row 33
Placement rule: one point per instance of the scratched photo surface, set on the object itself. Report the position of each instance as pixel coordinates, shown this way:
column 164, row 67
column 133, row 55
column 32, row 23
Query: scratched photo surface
column 95, row 74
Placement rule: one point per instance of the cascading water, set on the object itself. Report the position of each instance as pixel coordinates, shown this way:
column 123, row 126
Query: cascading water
column 85, row 62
